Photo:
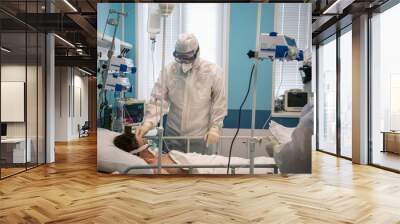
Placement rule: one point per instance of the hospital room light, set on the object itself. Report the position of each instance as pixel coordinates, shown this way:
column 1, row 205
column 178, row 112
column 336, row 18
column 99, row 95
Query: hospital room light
column 337, row 7
column 5, row 50
column 70, row 5
column 84, row 71
column 65, row 41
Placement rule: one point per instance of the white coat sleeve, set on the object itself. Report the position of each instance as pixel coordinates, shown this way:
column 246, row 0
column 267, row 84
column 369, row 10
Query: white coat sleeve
column 219, row 104
column 295, row 156
column 152, row 113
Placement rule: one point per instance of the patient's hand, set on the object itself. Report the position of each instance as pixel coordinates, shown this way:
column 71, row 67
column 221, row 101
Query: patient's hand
column 140, row 140
column 270, row 139
column 270, row 145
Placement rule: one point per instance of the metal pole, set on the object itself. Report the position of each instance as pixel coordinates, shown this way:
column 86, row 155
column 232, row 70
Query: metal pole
column 219, row 146
column 184, row 137
column 254, row 106
column 161, row 125
column 162, row 69
column 234, row 166
column 110, row 53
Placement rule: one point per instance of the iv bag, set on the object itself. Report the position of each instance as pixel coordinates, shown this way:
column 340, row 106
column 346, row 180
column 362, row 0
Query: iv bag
column 153, row 21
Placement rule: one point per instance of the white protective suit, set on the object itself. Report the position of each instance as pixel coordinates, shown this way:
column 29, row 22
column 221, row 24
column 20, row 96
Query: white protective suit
column 194, row 98
column 295, row 156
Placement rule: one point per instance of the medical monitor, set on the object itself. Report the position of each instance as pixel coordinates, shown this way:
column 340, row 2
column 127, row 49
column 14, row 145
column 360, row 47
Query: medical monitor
column 295, row 100
column 134, row 112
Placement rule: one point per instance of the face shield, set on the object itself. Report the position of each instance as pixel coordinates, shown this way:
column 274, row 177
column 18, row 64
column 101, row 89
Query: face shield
column 186, row 57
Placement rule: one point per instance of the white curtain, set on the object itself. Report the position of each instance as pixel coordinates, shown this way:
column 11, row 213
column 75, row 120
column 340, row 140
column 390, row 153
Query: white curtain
column 186, row 18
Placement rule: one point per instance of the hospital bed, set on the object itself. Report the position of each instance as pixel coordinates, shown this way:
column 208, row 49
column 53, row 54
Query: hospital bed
column 111, row 159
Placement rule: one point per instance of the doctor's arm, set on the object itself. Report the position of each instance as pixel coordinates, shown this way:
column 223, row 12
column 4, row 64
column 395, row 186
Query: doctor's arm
column 218, row 108
column 152, row 113
column 295, row 156
column 219, row 101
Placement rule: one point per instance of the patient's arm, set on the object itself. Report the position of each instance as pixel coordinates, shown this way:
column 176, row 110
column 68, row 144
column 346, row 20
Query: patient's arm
column 165, row 160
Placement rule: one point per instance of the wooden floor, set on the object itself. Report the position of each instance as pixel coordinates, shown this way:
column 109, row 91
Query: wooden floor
column 71, row 191
column 10, row 171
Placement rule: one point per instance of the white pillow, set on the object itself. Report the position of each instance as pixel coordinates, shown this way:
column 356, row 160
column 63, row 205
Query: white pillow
column 281, row 133
column 111, row 159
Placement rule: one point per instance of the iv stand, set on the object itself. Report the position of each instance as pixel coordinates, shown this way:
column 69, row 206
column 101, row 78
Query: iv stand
column 160, row 128
column 110, row 53
column 254, row 140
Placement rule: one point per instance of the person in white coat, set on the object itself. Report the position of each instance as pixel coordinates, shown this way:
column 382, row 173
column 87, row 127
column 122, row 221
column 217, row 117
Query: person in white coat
column 295, row 155
column 194, row 98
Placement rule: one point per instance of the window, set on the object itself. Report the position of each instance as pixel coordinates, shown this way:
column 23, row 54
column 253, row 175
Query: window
column 327, row 96
column 346, row 93
column 186, row 18
column 293, row 20
column 22, row 79
column 385, row 88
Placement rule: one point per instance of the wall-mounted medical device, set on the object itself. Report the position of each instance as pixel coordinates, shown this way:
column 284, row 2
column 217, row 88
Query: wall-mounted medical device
column 295, row 100
column 122, row 64
column 276, row 46
column 134, row 112
column 118, row 83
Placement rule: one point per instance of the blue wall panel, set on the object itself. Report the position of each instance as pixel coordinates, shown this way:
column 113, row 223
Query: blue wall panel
column 242, row 38
column 231, row 121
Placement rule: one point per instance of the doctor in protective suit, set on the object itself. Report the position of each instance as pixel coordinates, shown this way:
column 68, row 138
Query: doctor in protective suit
column 194, row 98
column 295, row 156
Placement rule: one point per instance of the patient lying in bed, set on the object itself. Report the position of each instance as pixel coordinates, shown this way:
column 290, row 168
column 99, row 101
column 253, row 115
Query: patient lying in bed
column 136, row 146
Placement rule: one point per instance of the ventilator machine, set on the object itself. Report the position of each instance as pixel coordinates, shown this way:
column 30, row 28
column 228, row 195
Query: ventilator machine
column 276, row 46
column 114, row 69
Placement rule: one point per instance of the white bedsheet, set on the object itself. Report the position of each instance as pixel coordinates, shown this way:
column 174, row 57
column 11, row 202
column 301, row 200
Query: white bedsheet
column 199, row 159
column 281, row 133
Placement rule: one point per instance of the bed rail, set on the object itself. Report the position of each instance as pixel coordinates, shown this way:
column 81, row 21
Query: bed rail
column 251, row 165
column 191, row 167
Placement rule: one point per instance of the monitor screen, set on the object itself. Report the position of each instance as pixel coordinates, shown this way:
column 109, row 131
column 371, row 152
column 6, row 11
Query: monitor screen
column 297, row 99
column 134, row 113
column 3, row 129
column 290, row 41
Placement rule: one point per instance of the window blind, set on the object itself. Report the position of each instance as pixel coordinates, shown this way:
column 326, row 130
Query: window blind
column 293, row 20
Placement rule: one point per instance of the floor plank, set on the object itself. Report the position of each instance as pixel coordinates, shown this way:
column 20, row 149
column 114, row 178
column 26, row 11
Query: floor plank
column 71, row 191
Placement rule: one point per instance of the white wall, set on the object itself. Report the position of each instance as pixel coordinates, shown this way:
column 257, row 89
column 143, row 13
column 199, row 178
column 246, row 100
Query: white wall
column 33, row 127
column 79, row 117
column 16, row 73
column 61, row 103
column 71, row 94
